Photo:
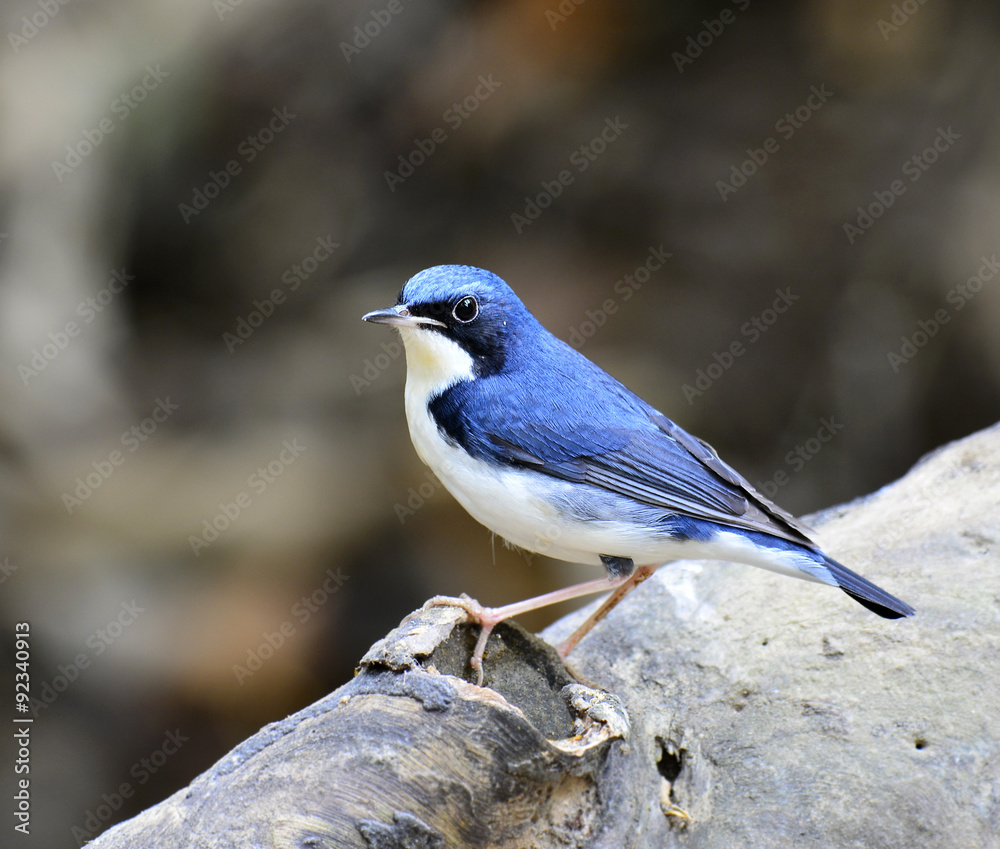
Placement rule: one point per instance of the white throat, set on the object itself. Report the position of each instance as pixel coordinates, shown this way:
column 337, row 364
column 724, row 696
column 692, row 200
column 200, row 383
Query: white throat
column 433, row 363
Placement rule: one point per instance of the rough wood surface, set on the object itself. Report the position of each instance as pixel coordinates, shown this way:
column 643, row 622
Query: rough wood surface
column 764, row 711
column 790, row 716
column 411, row 754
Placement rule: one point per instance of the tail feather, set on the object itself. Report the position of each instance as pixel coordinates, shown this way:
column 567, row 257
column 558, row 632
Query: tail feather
column 865, row 592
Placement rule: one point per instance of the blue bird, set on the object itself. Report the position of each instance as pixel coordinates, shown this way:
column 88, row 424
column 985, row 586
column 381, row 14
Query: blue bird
column 550, row 452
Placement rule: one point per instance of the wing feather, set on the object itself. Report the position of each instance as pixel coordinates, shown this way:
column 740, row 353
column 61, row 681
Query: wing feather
column 622, row 445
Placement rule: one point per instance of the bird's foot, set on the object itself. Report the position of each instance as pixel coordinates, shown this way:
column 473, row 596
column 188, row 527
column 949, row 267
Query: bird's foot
column 489, row 617
column 486, row 617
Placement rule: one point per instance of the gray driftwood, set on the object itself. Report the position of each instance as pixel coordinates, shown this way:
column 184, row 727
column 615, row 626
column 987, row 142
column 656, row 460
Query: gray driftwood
column 411, row 754
column 764, row 711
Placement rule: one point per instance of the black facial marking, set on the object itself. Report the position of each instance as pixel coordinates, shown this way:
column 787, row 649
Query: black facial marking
column 479, row 326
column 439, row 310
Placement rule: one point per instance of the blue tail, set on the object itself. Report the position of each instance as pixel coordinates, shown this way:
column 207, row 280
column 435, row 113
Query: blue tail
column 865, row 592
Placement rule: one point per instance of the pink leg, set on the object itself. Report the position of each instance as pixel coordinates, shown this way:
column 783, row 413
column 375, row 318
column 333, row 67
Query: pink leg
column 624, row 588
column 489, row 617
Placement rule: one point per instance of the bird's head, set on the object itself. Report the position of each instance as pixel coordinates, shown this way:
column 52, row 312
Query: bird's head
column 456, row 322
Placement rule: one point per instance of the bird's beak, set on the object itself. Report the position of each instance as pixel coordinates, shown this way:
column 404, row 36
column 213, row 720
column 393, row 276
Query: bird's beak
column 399, row 316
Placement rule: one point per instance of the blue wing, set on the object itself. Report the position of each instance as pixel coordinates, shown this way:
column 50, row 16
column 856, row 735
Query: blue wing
column 577, row 423
column 567, row 418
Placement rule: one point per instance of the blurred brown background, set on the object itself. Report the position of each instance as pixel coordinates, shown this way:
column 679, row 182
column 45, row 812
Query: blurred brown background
column 165, row 165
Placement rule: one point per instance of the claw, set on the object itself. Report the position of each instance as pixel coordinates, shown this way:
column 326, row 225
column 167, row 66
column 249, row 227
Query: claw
column 486, row 617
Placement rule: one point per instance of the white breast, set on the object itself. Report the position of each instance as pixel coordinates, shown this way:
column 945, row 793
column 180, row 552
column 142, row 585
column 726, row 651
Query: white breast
column 507, row 501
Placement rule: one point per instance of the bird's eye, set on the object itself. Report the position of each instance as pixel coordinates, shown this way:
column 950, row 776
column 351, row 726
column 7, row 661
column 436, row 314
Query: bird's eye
column 466, row 309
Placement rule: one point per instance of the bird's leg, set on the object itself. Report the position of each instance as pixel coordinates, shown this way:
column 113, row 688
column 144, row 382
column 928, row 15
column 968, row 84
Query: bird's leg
column 485, row 617
column 489, row 617
column 624, row 587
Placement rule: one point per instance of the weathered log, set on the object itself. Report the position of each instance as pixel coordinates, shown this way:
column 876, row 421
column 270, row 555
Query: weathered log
column 411, row 753
column 788, row 716
column 764, row 711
